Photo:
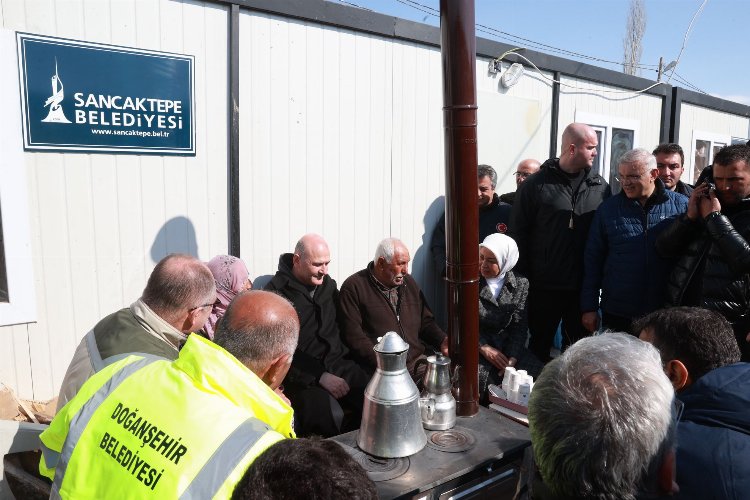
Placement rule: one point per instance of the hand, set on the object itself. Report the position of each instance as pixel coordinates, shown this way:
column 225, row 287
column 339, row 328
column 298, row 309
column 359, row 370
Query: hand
column 280, row 393
column 709, row 204
column 693, row 211
column 336, row 386
column 702, row 202
column 590, row 321
column 444, row 346
column 494, row 356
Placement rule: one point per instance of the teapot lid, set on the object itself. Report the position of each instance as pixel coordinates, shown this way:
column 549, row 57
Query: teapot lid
column 391, row 343
column 439, row 359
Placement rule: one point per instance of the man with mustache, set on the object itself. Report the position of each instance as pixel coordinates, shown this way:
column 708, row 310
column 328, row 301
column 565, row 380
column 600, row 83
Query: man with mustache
column 384, row 298
column 711, row 240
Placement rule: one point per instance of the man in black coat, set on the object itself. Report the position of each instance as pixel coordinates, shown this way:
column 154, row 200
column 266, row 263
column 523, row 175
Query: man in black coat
column 711, row 241
column 524, row 170
column 494, row 216
column 322, row 382
column 550, row 222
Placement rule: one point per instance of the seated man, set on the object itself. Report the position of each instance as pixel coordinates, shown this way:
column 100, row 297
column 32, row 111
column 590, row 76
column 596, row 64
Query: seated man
column 384, row 298
column 322, row 379
column 342, row 478
column 177, row 300
column 189, row 428
column 701, row 357
column 602, row 421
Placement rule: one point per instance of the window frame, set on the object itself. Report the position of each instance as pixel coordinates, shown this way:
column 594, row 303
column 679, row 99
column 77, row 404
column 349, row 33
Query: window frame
column 14, row 205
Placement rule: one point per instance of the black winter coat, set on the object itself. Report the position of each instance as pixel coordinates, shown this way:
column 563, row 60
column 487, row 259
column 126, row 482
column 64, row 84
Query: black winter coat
column 320, row 348
column 493, row 218
column 714, row 263
column 550, row 224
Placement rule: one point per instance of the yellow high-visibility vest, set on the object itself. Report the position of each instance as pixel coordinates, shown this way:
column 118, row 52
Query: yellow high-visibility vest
column 148, row 427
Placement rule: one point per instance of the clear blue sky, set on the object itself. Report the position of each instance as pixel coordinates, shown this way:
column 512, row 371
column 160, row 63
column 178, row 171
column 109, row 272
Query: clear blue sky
column 712, row 60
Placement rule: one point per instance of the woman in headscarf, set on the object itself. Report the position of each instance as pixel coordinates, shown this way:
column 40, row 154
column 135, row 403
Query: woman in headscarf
column 231, row 277
column 503, row 316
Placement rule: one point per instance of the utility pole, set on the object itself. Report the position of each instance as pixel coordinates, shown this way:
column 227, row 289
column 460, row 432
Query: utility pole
column 661, row 67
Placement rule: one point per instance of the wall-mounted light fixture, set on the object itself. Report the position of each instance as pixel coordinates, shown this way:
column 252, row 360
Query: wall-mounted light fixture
column 511, row 75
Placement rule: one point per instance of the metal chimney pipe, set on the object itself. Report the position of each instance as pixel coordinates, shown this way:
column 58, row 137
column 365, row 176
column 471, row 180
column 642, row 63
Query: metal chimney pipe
column 458, row 49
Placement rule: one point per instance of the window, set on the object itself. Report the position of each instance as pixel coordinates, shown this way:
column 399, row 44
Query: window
column 616, row 136
column 705, row 146
column 601, row 139
column 17, row 300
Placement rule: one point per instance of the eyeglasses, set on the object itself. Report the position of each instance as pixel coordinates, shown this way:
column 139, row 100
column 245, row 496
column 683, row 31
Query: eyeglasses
column 198, row 307
column 522, row 175
column 629, row 178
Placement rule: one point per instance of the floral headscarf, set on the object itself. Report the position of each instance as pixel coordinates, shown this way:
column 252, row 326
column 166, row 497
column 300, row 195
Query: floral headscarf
column 231, row 277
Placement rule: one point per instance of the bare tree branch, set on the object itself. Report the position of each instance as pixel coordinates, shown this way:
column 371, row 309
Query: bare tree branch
column 635, row 28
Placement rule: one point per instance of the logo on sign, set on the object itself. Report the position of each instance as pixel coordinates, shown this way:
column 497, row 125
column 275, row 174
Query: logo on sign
column 56, row 114
column 111, row 99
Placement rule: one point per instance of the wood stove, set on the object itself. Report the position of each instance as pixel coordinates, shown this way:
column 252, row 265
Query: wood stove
column 479, row 458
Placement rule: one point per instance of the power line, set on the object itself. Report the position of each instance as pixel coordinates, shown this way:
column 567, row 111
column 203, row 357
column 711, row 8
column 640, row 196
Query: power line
column 685, row 39
column 503, row 35
column 683, row 81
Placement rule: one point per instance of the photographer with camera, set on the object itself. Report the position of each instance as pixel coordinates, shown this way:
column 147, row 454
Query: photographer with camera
column 711, row 241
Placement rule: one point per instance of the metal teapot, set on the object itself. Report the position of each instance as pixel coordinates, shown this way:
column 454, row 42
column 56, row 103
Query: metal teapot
column 391, row 419
column 437, row 404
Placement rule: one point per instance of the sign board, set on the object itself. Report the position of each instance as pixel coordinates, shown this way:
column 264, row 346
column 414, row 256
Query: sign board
column 96, row 98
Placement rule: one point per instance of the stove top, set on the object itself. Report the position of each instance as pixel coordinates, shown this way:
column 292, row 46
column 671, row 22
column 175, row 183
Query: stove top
column 475, row 443
column 378, row 469
column 453, row 440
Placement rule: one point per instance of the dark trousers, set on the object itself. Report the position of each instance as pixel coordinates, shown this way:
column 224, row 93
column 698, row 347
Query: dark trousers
column 318, row 413
column 617, row 323
column 546, row 309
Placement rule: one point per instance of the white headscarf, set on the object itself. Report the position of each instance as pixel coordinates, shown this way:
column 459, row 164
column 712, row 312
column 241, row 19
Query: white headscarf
column 506, row 252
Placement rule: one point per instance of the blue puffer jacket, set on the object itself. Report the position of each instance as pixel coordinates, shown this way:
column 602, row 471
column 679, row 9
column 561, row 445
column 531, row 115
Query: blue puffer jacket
column 713, row 436
column 620, row 257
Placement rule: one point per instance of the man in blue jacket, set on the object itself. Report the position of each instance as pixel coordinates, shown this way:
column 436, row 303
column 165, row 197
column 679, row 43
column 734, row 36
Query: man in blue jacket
column 620, row 256
column 700, row 357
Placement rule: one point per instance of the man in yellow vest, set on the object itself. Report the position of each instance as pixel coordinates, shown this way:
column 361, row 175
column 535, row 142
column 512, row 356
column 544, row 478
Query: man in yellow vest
column 189, row 428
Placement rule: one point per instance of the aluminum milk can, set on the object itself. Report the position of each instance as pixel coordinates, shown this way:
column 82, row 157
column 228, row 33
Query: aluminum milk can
column 391, row 417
